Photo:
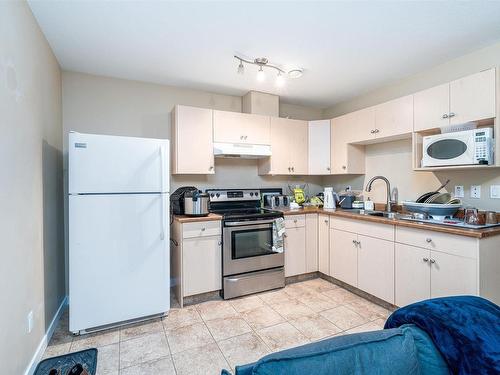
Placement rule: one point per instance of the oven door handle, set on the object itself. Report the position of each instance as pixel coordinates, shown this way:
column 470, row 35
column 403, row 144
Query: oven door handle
column 245, row 223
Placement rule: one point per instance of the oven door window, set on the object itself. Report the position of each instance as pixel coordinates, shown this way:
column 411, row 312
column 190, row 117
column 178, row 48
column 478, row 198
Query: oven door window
column 446, row 149
column 251, row 243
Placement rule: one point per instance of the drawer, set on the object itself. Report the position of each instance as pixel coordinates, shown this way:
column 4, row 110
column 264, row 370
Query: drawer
column 201, row 229
column 295, row 221
column 447, row 243
column 370, row 229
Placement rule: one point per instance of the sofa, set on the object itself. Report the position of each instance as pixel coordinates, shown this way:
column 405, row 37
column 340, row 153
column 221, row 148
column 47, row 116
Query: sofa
column 452, row 335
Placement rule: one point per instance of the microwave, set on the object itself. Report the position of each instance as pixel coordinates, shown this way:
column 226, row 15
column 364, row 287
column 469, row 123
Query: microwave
column 467, row 147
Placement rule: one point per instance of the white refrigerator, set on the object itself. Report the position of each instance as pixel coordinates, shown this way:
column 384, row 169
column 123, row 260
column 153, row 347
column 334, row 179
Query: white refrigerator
column 119, row 257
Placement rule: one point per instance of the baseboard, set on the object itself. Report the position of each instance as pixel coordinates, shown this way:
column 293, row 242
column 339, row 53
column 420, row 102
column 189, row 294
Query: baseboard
column 45, row 339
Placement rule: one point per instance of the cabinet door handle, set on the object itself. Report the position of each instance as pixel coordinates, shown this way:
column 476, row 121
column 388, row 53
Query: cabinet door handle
column 293, row 169
column 211, row 167
column 445, row 115
column 344, row 167
column 354, row 242
column 219, row 243
column 295, row 220
column 377, row 131
column 428, row 240
column 452, row 114
column 433, row 261
column 327, row 168
column 372, row 131
column 425, row 259
column 326, row 221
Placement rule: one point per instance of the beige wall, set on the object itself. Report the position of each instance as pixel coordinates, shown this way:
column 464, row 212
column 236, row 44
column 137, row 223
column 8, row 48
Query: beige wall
column 300, row 112
column 32, row 265
column 393, row 159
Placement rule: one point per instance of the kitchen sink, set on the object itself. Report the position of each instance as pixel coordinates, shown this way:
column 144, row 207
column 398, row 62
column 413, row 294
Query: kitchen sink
column 386, row 214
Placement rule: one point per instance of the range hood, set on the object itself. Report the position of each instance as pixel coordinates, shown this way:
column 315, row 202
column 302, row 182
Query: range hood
column 241, row 150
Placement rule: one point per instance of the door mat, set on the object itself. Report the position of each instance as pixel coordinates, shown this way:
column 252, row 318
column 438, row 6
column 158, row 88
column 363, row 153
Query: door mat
column 63, row 363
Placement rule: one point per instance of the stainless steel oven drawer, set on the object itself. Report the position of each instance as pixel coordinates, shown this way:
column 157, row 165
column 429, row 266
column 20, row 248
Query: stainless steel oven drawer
column 253, row 282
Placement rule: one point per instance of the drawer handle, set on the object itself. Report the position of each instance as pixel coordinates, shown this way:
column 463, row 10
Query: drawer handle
column 428, row 240
column 203, row 229
column 425, row 259
column 326, row 221
column 433, row 261
column 295, row 220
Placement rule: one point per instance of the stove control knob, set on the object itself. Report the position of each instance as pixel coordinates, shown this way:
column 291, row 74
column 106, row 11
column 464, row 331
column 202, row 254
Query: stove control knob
column 211, row 195
column 256, row 193
column 217, row 195
column 251, row 193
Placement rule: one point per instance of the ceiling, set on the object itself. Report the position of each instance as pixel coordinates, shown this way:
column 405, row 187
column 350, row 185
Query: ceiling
column 346, row 48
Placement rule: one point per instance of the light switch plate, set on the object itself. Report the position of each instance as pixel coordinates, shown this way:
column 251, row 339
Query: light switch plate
column 495, row 191
column 459, row 191
column 475, row 191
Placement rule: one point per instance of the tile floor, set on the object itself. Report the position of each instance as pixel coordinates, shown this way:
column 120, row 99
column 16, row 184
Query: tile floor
column 204, row 338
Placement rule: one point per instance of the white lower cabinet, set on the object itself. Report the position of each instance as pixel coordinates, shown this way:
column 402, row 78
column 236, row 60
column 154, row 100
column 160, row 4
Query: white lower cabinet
column 344, row 256
column 421, row 274
column 412, row 274
column 452, row 275
column 295, row 251
column 311, row 243
column 376, row 267
column 202, row 265
column 324, row 244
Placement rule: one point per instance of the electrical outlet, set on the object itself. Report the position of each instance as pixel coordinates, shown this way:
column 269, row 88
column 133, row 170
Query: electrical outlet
column 459, row 191
column 495, row 191
column 475, row 191
column 30, row 321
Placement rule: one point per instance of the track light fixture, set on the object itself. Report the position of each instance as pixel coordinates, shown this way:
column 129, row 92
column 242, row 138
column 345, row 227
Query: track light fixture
column 263, row 62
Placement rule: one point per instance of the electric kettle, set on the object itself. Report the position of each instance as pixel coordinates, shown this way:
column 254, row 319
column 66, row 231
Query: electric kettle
column 330, row 198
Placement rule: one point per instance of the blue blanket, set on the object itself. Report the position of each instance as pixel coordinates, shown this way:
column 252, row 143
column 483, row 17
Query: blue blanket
column 465, row 329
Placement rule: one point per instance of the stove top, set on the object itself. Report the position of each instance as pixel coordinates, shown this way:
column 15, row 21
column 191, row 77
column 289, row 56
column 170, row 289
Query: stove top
column 247, row 213
column 239, row 204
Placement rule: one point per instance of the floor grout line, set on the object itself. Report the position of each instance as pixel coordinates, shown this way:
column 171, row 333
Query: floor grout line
column 295, row 295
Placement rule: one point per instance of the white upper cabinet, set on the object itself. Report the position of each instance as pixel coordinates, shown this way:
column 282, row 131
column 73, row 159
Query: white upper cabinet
column 361, row 125
column 473, row 97
column 345, row 157
column 188, row 157
column 431, row 107
column 394, row 118
column 319, row 147
column 288, row 146
column 236, row 127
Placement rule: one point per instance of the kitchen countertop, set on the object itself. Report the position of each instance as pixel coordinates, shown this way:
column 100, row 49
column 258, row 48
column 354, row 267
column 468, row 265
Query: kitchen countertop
column 476, row 233
column 195, row 219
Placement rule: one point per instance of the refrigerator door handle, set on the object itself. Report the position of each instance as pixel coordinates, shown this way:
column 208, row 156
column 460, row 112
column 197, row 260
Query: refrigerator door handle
column 162, row 177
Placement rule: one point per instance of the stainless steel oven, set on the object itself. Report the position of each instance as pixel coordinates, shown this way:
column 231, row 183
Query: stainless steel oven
column 252, row 254
column 249, row 246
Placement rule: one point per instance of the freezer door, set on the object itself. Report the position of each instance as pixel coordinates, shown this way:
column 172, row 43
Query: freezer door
column 118, row 258
column 110, row 164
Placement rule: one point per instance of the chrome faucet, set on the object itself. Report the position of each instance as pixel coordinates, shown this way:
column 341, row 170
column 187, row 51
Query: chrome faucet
column 369, row 188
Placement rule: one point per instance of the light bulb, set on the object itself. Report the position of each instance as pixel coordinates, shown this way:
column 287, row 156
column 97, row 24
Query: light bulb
column 261, row 76
column 241, row 68
column 280, row 80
